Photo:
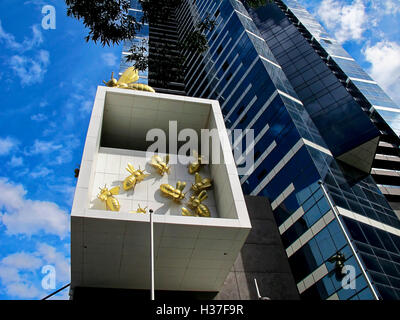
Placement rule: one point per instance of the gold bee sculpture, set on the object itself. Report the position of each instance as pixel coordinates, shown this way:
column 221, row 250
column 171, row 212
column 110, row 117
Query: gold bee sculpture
column 126, row 81
column 195, row 166
column 187, row 212
column 108, row 197
column 201, row 183
column 195, row 204
column 135, row 177
column 140, row 210
column 160, row 164
column 175, row 194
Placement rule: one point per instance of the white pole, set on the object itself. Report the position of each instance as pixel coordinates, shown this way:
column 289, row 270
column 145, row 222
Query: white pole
column 258, row 291
column 152, row 254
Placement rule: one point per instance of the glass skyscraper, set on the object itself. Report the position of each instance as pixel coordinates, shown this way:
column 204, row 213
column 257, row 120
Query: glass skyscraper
column 325, row 140
column 141, row 39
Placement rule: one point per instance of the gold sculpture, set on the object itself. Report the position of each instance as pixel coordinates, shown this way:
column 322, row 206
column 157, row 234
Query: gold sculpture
column 108, row 196
column 135, row 177
column 176, row 194
column 139, row 210
column 339, row 260
column 201, row 184
column 186, row 212
column 195, row 166
column 160, row 164
column 126, row 81
column 195, row 204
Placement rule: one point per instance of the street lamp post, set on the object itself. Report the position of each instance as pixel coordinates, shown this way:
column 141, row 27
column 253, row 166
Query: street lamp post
column 152, row 254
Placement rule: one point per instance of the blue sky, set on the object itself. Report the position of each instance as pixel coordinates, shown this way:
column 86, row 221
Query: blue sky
column 49, row 79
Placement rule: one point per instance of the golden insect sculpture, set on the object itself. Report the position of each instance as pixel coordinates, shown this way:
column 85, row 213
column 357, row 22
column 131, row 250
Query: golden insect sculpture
column 135, row 177
column 195, row 203
column 195, row 166
column 161, row 165
column 107, row 196
column 140, row 210
column 187, row 212
column 126, row 81
column 175, row 194
column 201, row 183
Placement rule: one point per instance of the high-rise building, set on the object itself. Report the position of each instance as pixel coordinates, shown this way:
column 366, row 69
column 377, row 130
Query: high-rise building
column 326, row 145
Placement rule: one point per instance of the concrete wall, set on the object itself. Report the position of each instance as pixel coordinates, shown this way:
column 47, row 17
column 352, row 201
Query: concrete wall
column 262, row 257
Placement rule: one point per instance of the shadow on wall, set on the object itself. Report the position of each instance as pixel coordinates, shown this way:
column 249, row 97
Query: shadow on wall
column 263, row 258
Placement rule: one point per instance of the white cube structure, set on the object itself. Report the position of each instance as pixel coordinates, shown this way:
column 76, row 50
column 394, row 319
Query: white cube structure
column 112, row 249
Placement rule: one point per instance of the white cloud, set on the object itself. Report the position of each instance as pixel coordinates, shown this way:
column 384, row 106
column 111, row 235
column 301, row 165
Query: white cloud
column 51, row 256
column 348, row 21
column 392, row 7
column 20, row 272
column 23, row 290
column 22, row 260
column 40, row 172
column 84, row 102
column 27, row 44
column 386, row 7
column 66, row 189
column 9, row 274
column 15, row 270
column 7, row 145
column 66, row 152
column 384, row 57
column 39, row 3
column 86, row 106
column 44, row 147
column 30, row 217
column 30, row 70
column 39, row 117
column 43, row 104
column 16, row 162
column 109, row 59
column 56, row 152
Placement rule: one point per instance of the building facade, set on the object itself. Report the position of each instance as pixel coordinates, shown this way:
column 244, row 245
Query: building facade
column 325, row 140
column 141, row 39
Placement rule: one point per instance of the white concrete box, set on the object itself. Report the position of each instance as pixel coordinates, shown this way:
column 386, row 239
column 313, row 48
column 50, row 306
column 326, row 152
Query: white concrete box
column 111, row 249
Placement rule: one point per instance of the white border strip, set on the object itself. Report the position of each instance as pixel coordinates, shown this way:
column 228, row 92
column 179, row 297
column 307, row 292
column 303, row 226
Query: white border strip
column 317, row 146
column 328, row 39
column 258, row 162
column 285, row 193
column 341, row 57
column 243, row 15
column 386, row 109
column 371, row 222
column 289, row 155
column 310, row 233
column 254, row 35
column 271, row 62
column 362, row 80
column 289, row 97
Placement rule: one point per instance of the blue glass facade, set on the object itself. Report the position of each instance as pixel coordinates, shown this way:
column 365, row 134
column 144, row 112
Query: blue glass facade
column 277, row 71
column 374, row 94
column 323, row 96
column 271, row 80
column 141, row 39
